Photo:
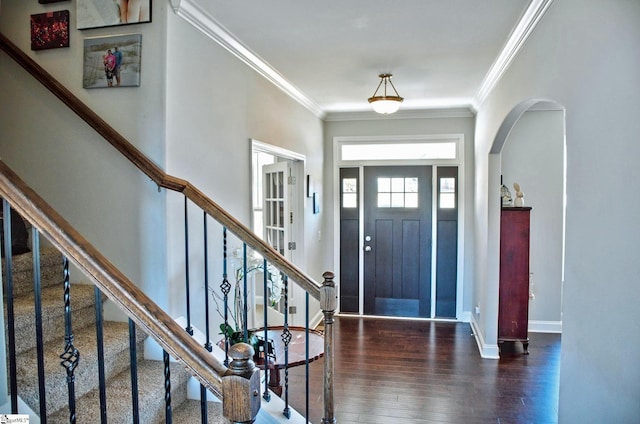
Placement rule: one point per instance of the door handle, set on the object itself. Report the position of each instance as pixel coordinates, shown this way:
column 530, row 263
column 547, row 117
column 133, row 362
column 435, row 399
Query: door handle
column 367, row 248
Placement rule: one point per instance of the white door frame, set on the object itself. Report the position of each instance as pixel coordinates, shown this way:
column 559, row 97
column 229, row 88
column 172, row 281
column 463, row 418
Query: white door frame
column 297, row 204
column 433, row 138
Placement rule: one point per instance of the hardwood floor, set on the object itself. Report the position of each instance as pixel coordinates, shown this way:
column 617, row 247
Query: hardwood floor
column 417, row 372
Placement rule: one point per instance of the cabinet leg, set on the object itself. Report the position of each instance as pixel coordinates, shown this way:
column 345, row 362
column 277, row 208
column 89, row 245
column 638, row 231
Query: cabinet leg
column 525, row 345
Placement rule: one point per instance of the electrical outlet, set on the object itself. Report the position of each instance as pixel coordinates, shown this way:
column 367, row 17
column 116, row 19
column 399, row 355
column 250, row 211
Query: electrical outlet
column 477, row 310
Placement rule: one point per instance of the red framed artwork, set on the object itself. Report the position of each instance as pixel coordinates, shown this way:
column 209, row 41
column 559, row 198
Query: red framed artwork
column 50, row 30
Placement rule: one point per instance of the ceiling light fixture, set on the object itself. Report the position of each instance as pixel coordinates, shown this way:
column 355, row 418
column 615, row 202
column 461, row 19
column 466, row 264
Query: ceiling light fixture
column 382, row 103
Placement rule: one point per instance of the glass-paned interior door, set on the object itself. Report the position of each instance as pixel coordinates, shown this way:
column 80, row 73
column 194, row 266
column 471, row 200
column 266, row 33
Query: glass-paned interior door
column 276, row 211
column 276, row 206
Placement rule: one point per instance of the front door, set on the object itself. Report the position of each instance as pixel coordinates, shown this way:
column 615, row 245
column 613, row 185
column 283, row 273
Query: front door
column 397, row 240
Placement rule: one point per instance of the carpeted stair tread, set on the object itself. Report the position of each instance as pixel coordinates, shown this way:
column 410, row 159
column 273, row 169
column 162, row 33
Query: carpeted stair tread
column 189, row 412
column 150, row 374
column 116, row 353
column 82, row 313
column 51, row 270
column 150, row 397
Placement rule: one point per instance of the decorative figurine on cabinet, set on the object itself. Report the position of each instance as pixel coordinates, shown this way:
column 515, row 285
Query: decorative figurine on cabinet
column 519, row 202
column 505, row 194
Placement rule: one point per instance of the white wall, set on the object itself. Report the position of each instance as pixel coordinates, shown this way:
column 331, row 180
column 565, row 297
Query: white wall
column 584, row 56
column 215, row 105
column 437, row 124
column 109, row 201
column 533, row 156
column 193, row 114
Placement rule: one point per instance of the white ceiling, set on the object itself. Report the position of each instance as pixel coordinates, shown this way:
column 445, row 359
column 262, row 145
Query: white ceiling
column 328, row 54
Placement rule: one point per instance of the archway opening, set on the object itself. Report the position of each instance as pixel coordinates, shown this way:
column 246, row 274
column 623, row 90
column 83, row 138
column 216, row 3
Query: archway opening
column 530, row 149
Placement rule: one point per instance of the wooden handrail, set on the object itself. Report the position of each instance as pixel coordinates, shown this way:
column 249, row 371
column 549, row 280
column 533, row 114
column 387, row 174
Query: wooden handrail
column 156, row 174
column 138, row 306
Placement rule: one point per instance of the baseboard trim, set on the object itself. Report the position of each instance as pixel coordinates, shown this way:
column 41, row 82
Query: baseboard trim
column 487, row 351
column 545, row 326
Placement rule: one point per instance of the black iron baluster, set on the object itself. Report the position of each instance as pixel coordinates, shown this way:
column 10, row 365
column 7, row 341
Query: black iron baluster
column 286, row 338
column 207, row 345
column 203, row 404
column 267, row 395
column 37, row 290
column 102, row 381
column 167, row 388
column 225, row 287
column 189, row 328
column 245, row 311
column 306, row 352
column 13, row 371
column 70, row 357
column 133, row 360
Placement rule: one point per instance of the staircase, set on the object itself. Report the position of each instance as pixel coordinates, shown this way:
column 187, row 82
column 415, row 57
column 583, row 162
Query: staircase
column 237, row 384
column 150, row 374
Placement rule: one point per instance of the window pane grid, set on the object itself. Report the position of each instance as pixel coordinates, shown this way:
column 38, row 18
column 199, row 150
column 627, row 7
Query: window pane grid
column 349, row 193
column 397, row 192
column 447, row 195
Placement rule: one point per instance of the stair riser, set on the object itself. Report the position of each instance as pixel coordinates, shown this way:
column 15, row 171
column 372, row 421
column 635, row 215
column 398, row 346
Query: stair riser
column 51, row 271
column 23, row 281
column 53, row 325
column 151, row 405
column 86, row 379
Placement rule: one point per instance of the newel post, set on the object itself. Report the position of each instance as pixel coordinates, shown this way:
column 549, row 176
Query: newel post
column 328, row 300
column 241, row 386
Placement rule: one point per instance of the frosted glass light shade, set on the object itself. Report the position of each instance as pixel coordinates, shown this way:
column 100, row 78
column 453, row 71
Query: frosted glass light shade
column 385, row 106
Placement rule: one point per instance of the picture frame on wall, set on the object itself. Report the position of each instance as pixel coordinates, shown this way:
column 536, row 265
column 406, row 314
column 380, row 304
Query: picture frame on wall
column 50, row 30
column 107, row 13
column 309, row 186
column 112, row 61
column 316, row 203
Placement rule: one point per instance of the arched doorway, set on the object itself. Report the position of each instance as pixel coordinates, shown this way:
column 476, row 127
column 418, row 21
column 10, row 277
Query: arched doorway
column 529, row 148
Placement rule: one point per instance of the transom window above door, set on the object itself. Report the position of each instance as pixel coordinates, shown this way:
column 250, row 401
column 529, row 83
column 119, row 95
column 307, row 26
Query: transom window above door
column 398, row 151
column 397, row 192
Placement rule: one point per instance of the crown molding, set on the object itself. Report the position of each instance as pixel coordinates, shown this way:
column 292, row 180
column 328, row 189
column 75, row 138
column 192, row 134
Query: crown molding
column 518, row 37
column 207, row 25
column 369, row 115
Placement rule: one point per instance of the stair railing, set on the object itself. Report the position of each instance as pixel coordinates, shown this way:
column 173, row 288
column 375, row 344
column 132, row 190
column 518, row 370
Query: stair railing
column 325, row 293
column 125, row 294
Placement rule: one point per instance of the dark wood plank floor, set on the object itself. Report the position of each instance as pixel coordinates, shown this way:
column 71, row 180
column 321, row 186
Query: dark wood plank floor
column 417, row 372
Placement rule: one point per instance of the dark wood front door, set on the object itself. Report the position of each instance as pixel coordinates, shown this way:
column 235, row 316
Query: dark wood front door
column 397, row 240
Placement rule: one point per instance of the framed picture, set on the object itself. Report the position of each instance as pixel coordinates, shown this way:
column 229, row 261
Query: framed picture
column 316, row 203
column 309, row 186
column 112, row 61
column 104, row 13
column 50, row 30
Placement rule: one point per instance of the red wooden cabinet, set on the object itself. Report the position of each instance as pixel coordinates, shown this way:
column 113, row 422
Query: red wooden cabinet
column 513, row 309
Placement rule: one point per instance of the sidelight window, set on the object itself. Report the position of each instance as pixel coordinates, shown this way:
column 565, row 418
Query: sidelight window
column 447, row 193
column 350, row 193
